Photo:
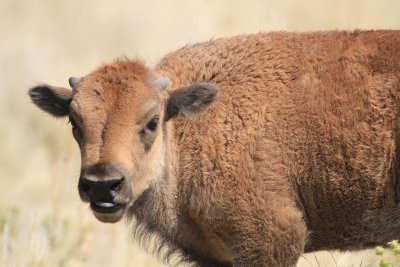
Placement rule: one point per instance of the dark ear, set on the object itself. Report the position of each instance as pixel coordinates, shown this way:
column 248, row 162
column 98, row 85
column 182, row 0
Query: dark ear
column 188, row 101
column 53, row 100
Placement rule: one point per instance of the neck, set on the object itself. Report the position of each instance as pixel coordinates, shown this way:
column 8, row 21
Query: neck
column 155, row 212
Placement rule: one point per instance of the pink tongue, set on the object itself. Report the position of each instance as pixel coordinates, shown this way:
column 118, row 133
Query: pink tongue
column 104, row 204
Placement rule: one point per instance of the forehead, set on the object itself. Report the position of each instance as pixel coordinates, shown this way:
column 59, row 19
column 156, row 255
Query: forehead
column 121, row 86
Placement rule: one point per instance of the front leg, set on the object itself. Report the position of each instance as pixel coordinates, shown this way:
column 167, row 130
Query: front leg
column 272, row 234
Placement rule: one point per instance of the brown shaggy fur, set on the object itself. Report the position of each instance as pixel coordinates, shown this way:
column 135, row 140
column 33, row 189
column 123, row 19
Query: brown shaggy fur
column 300, row 152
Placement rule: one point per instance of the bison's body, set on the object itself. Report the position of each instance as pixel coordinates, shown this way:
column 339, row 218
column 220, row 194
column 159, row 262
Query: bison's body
column 300, row 152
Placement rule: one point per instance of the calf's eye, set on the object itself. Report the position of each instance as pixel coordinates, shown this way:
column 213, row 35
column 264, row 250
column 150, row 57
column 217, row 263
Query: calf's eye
column 152, row 125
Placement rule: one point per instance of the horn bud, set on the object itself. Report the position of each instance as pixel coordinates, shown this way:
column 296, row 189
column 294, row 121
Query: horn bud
column 73, row 81
column 162, row 83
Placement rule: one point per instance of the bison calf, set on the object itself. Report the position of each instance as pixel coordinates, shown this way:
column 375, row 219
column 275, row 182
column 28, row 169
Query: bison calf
column 245, row 151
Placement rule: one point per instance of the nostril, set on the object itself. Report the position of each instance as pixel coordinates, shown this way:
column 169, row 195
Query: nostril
column 117, row 186
column 85, row 190
column 85, row 187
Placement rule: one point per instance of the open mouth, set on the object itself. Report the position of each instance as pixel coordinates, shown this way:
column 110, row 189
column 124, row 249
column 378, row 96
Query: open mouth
column 106, row 211
column 105, row 206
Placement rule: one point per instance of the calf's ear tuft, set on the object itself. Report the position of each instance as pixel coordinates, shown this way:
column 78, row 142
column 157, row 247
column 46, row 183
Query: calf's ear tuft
column 188, row 101
column 53, row 100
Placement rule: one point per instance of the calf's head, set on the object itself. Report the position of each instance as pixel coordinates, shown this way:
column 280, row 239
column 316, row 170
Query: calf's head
column 118, row 115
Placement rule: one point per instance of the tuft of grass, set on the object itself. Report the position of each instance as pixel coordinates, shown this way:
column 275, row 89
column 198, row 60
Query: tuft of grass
column 390, row 255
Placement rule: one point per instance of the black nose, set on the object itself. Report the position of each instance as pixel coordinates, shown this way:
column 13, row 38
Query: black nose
column 100, row 190
column 104, row 184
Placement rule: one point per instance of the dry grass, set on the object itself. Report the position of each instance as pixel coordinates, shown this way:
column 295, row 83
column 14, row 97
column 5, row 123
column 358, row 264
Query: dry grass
column 42, row 221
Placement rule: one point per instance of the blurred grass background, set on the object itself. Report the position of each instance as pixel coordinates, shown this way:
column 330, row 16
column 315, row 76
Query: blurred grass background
column 42, row 220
